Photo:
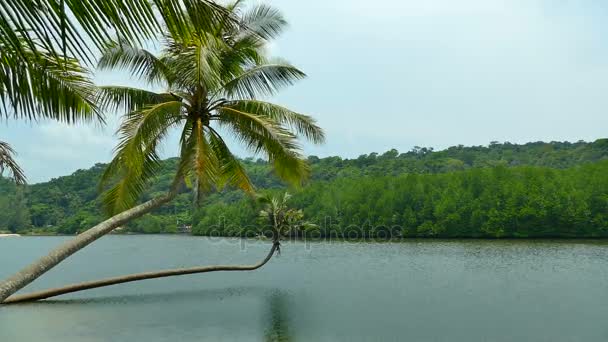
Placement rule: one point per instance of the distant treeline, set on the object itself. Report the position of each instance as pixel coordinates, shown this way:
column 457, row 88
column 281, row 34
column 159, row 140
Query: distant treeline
column 502, row 190
column 494, row 202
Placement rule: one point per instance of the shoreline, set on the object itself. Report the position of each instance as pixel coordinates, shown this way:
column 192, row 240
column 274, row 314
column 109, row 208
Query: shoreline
column 346, row 240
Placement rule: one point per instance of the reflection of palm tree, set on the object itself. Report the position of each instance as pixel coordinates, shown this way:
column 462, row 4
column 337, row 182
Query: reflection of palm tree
column 278, row 318
column 276, row 315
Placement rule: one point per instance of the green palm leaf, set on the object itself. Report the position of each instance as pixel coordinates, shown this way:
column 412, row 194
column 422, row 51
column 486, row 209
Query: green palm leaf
column 198, row 164
column 196, row 65
column 264, row 21
column 7, row 162
column 263, row 80
column 303, row 124
column 140, row 62
column 137, row 160
column 55, row 23
column 231, row 171
column 51, row 88
column 263, row 135
column 130, row 99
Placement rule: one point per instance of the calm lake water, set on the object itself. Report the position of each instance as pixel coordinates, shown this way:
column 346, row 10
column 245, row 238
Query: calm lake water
column 410, row 291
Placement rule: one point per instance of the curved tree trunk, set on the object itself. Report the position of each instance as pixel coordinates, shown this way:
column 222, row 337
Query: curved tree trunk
column 135, row 277
column 27, row 275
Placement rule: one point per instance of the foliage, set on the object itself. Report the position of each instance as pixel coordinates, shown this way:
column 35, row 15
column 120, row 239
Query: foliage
column 536, row 189
column 45, row 45
column 154, row 224
column 211, row 81
column 283, row 220
column 493, row 202
column 7, row 162
column 14, row 211
column 67, row 27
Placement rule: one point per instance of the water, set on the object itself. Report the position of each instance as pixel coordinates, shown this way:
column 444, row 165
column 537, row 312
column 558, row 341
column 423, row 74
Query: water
column 410, row 291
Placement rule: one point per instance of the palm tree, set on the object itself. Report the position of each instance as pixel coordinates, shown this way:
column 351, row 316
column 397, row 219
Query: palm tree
column 283, row 220
column 275, row 214
column 212, row 80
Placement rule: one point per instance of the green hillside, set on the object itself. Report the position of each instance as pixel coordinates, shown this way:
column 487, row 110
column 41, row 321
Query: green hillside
column 502, row 190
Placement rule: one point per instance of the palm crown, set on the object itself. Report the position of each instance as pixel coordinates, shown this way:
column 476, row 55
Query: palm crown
column 282, row 219
column 212, row 80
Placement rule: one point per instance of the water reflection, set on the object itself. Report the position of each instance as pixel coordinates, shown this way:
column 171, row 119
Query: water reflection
column 275, row 318
column 410, row 291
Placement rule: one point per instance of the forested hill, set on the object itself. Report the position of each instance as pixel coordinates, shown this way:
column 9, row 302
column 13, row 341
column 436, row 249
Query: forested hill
column 493, row 190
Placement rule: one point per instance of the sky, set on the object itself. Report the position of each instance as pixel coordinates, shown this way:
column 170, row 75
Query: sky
column 402, row 73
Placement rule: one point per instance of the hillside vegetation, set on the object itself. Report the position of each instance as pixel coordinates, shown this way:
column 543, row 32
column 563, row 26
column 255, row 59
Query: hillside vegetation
column 502, row 190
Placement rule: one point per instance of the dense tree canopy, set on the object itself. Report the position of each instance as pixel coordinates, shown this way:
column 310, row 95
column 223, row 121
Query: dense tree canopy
column 495, row 202
column 536, row 189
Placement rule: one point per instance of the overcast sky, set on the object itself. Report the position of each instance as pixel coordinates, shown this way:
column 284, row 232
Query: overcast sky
column 399, row 73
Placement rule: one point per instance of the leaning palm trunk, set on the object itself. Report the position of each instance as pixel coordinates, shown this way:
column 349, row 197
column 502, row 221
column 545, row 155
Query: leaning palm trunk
column 27, row 275
column 136, row 277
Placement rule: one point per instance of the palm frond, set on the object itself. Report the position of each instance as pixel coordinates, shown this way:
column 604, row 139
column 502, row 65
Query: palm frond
column 136, row 160
column 248, row 50
column 264, row 21
column 198, row 163
column 302, row 124
column 140, row 62
column 200, row 17
column 263, row 80
column 51, row 88
column 65, row 27
column 231, row 170
column 195, row 65
column 130, row 99
column 205, row 162
column 7, row 162
column 240, row 56
column 262, row 134
column 235, row 6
